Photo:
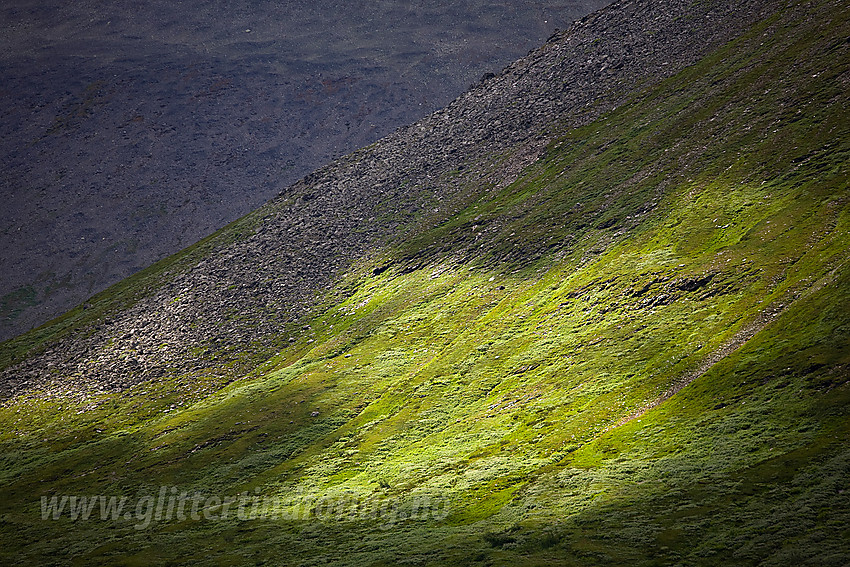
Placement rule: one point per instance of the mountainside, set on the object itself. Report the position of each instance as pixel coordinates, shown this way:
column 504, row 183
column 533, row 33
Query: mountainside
column 130, row 130
column 592, row 312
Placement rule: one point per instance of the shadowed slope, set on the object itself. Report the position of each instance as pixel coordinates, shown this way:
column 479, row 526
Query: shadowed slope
column 259, row 275
column 129, row 130
column 623, row 344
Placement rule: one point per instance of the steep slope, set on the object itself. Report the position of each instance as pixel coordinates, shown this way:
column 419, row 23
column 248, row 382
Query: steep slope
column 129, row 130
column 563, row 325
column 265, row 267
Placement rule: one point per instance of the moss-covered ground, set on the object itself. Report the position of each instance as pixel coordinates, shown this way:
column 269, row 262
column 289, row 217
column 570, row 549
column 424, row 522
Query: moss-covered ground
column 636, row 354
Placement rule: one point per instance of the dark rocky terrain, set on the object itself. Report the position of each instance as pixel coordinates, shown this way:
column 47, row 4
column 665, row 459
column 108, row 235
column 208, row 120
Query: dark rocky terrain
column 592, row 312
column 128, row 131
column 237, row 299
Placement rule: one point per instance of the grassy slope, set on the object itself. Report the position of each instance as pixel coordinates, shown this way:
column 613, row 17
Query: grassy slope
column 531, row 398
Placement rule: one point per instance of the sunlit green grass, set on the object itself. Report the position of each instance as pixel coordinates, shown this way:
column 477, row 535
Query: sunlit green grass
column 522, row 373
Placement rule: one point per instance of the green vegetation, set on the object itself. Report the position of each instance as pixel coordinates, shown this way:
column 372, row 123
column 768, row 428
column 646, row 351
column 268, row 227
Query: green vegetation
column 636, row 354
